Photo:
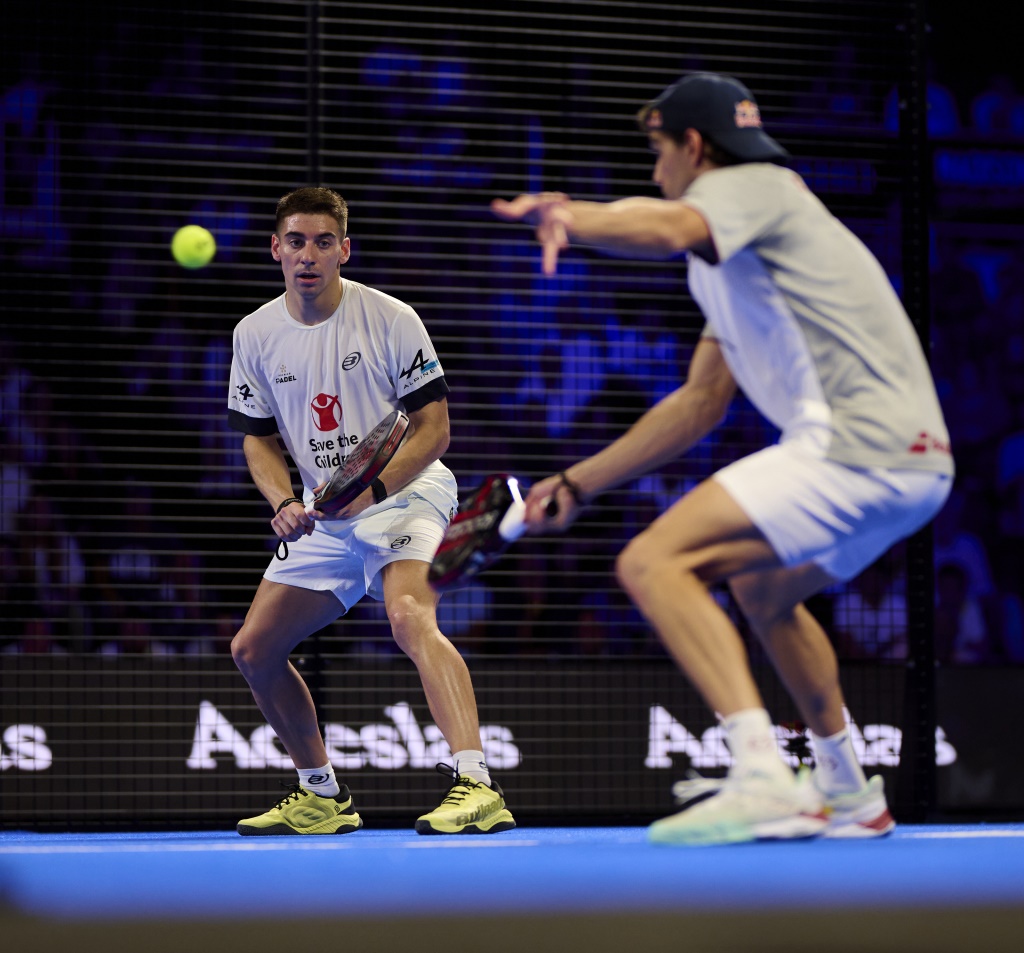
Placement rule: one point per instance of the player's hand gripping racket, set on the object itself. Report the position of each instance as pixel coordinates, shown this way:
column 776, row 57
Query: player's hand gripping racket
column 360, row 469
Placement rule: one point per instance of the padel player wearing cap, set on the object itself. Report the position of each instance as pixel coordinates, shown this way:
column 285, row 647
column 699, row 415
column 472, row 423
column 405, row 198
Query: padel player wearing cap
column 319, row 367
column 802, row 318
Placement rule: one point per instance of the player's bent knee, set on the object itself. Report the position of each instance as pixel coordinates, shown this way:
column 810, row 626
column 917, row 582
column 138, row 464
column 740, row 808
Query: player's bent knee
column 635, row 567
column 242, row 653
column 249, row 655
column 627, row 568
column 410, row 622
column 759, row 602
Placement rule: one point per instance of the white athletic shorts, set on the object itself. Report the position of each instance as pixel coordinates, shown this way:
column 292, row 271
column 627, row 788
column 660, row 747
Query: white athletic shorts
column 815, row 510
column 348, row 557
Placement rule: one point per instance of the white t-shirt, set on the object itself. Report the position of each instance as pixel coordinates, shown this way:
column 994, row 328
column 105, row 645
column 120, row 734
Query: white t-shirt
column 324, row 387
column 809, row 324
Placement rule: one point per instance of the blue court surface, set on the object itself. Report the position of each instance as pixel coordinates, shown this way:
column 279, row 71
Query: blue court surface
column 934, row 887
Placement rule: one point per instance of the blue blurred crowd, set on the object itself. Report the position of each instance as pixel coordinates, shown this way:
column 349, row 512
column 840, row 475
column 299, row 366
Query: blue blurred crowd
column 559, row 368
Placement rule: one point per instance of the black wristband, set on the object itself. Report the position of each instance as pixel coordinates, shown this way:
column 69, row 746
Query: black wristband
column 380, row 492
column 284, row 503
column 577, row 493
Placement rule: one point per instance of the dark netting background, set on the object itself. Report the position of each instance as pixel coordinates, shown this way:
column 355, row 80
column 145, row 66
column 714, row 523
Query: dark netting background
column 133, row 538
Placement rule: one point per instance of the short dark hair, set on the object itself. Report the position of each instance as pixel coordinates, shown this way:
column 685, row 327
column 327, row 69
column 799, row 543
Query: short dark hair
column 313, row 200
column 720, row 108
column 712, row 151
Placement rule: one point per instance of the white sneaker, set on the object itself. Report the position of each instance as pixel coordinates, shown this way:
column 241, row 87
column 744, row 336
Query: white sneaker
column 747, row 808
column 862, row 814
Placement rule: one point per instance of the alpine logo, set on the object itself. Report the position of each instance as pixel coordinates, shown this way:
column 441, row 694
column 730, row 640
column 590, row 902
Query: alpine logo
column 420, row 367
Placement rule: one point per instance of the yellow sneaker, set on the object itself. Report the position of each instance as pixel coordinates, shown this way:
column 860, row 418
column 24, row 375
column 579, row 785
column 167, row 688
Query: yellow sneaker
column 470, row 807
column 300, row 812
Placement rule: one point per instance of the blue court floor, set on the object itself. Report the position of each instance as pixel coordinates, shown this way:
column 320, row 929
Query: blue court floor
column 376, row 883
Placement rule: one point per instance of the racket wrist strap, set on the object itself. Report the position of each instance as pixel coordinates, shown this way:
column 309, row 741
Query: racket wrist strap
column 380, row 492
column 574, row 490
column 284, row 503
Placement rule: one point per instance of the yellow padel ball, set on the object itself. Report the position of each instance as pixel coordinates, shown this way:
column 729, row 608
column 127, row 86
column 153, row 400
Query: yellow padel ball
column 193, row 246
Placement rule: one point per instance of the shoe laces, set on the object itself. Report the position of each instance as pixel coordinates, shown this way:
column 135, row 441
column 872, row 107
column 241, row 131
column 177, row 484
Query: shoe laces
column 462, row 787
column 295, row 792
column 695, row 788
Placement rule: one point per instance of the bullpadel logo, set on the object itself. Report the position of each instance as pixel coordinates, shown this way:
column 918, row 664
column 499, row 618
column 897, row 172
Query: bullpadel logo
column 399, row 743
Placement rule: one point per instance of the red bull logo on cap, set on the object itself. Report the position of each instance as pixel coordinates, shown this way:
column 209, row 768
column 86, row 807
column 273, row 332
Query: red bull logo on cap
column 748, row 116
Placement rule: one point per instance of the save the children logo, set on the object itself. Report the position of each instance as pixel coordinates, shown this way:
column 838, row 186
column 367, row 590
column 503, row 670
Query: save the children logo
column 326, row 412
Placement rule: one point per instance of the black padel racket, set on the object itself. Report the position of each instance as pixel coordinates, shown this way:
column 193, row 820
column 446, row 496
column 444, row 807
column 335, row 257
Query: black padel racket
column 362, row 466
column 360, row 469
column 486, row 525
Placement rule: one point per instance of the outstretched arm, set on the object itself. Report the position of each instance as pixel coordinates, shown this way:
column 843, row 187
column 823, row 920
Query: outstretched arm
column 636, row 227
column 667, row 431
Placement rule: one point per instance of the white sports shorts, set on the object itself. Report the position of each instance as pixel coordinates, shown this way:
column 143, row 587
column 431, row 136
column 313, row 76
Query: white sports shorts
column 347, row 558
column 815, row 510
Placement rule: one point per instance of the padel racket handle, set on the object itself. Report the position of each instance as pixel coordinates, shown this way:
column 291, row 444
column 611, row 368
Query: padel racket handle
column 512, row 524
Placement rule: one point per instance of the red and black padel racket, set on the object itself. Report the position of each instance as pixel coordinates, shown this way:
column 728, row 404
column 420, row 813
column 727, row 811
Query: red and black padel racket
column 362, row 466
column 360, row 469
column 488, row 522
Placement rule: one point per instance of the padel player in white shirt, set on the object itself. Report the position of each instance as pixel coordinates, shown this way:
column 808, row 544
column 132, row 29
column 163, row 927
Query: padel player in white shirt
column 319, row 368
column 801, row 317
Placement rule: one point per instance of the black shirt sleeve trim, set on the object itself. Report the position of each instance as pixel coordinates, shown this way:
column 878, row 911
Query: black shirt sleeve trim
column 427, row 394
column 256, row 426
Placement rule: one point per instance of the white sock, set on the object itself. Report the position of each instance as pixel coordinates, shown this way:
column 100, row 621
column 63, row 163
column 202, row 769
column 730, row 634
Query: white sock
column 753, row 744
column 320, row 781
column 838, row 770
column 471, row 763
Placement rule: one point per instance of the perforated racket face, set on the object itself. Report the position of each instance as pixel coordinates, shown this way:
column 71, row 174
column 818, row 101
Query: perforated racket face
column 473, row 541
column 364, row 463
column 358, row 460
